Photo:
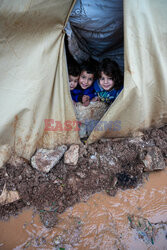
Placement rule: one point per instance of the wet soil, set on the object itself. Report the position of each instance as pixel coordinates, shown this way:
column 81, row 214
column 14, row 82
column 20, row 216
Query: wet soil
column 106, row 165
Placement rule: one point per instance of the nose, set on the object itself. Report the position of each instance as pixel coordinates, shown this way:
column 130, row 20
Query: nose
column 105, row 80
column 86, row 80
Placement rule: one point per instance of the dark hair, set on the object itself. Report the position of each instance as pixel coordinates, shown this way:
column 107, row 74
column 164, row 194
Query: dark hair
column 111, row 68
column 73, row 68
column 90, row 66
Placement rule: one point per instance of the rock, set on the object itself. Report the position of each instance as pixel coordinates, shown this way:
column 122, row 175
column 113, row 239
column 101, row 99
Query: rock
column 71, row 156
column 89, row 116
column 136, row 140
column 81, row 175
column 44, row 160
column 137, row 134
column 16, row 160
column 109, row 162
column 5, row 153
column 8, row 196
column 153, row 159
column 114, row 182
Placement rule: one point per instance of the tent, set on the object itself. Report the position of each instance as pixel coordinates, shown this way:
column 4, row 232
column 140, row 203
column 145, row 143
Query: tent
column 36, row 107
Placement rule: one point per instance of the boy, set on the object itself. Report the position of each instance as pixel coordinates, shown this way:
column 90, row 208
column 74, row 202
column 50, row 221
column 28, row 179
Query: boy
column 86, row 79
column 74, row 73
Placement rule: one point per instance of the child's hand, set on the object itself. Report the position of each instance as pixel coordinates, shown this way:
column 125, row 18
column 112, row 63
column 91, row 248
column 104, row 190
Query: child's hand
column 95, row 99
column 85, row 100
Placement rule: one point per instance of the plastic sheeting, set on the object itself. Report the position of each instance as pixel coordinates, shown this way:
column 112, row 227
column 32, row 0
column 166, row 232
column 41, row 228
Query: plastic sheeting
column 96, row 28
column 34, row 81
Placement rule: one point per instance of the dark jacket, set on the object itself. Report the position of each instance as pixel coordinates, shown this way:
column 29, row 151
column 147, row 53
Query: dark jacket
column 78, row 93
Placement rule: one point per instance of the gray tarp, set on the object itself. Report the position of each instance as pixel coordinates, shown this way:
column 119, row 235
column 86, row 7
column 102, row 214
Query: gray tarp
column 96, row 28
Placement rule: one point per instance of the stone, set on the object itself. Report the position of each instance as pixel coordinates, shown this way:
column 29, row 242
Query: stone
column 71, row 156
column 89, row 116
column 137, row 134
column 81, row 175
column 109, row 162
column 153, row 160
column 15, row 160
column 8, row 196
column 5, row 153
column 44, row 159
column 136, row 140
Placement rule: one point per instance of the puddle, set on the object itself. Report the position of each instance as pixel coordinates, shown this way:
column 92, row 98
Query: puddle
column 100, row 223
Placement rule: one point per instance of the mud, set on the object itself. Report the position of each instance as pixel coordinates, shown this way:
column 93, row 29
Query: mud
column 100, row 223
column 106, row 165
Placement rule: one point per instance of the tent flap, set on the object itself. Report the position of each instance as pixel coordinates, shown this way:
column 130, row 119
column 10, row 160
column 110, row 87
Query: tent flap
column 143, row 101
column 33, row 71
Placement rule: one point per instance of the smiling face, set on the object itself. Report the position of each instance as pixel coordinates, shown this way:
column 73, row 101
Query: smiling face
column 85, row 79
column 73, row 81
column 106, row 82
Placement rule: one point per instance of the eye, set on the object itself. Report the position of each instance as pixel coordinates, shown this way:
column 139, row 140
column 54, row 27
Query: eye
column 90, row 79
column 110, row 78
column 102, row 78
column 83, row 77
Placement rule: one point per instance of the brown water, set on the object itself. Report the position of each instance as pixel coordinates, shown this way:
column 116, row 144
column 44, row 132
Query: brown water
column 100, row 223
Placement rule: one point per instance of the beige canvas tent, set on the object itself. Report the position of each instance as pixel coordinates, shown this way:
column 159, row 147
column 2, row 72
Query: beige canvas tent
column 34, row 80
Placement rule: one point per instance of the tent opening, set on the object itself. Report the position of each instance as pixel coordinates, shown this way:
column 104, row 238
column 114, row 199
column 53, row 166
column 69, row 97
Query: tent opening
column 94, row 32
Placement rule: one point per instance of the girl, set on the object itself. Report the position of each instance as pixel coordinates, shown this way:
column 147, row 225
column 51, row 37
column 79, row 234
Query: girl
column 109, row 83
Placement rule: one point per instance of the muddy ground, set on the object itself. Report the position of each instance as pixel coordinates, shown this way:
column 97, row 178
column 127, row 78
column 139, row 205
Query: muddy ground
column 107, row 165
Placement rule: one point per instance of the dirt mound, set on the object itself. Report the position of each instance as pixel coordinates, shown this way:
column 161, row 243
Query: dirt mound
column 105, row 165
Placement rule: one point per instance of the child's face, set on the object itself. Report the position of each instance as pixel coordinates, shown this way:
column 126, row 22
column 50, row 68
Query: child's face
column 73, row 81
column 85, row 79
column 106, row 82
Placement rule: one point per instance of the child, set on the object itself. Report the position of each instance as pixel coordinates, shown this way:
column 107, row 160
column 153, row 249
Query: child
column 74, row 73
column 88, row 71
column 109, row 83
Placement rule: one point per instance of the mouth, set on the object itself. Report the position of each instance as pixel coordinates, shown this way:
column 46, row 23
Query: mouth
column 84, row 85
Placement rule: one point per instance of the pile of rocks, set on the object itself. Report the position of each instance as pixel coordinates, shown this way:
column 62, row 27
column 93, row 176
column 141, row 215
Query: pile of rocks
column 140, row 150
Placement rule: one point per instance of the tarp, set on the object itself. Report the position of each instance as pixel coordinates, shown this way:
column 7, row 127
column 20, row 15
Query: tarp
column 33, row 71
column 143, row 102
column 96, row 28
column 34, row 80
